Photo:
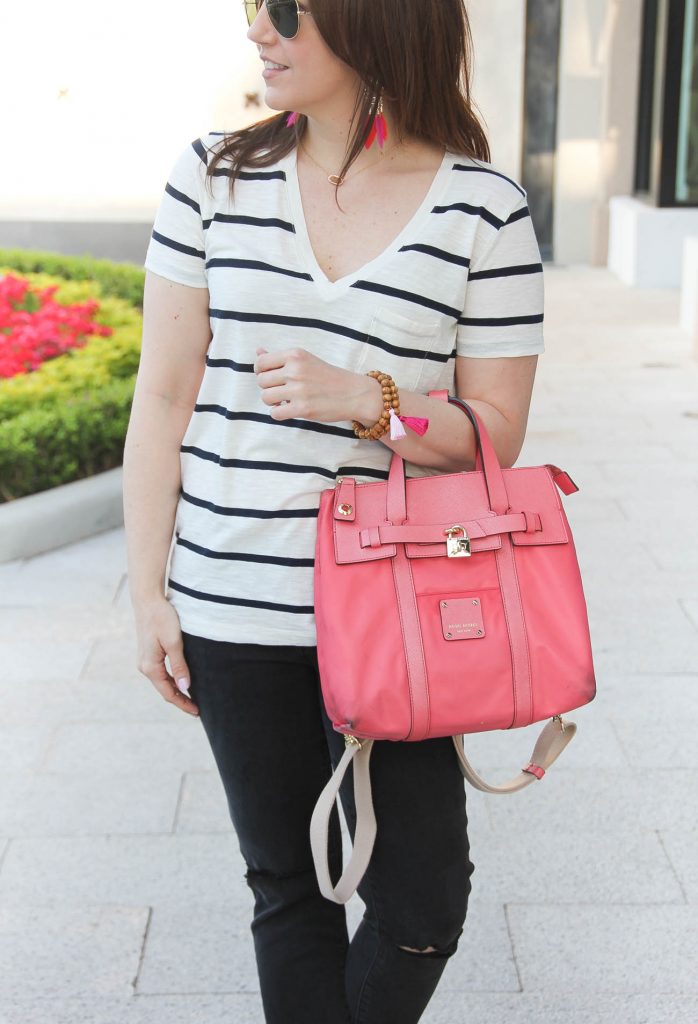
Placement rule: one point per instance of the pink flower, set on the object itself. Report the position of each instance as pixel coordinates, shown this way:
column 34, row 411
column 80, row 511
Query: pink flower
column 34, row 328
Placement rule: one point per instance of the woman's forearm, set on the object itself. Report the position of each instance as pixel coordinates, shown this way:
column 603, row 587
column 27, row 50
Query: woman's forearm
column 449, row 443
column 151, row 485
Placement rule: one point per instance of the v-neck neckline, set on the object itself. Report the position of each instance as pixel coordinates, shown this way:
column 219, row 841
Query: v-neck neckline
column 331, row 289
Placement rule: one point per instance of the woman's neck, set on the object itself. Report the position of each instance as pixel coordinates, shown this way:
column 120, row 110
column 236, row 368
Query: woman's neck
column 326, row 143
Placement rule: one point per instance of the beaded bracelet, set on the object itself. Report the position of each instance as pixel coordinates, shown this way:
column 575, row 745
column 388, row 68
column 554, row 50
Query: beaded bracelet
column 390, row 417
column 391, row 400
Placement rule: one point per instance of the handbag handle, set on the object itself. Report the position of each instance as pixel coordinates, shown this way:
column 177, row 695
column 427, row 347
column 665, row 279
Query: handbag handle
column 553, row 739
column 486, row 458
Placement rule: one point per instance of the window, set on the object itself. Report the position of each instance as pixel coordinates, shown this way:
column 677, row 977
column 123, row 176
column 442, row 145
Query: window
column 666, row 169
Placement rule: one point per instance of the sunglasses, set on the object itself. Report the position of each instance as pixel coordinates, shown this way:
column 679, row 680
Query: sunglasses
column 285, row 15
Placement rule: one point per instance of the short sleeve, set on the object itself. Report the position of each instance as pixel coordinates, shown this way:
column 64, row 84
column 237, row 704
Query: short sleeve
column 503, row 314
column 176, row 247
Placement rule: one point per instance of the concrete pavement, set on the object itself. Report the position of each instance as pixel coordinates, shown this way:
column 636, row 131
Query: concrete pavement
column 122, row 897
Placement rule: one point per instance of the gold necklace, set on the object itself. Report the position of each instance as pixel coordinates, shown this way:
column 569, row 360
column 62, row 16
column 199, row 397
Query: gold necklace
column 335, row 179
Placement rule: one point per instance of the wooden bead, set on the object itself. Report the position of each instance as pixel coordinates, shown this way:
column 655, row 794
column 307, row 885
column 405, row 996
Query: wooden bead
column 391, row 400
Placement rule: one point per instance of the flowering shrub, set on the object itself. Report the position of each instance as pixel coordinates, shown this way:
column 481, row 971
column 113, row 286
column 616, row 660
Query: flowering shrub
column 67, row 418
column 35, row 328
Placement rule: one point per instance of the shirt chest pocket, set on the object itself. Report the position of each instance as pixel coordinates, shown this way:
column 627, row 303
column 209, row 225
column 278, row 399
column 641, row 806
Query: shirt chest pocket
column 400, row 345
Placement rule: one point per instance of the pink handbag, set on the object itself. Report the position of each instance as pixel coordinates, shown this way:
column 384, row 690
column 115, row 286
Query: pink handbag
column 445, row 605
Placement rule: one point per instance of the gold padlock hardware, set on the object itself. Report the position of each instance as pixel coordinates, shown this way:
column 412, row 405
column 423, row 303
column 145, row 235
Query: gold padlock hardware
column 457, row 547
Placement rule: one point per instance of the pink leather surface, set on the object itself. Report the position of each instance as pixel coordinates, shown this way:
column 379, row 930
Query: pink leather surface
column 439, row 501
column 385, row 664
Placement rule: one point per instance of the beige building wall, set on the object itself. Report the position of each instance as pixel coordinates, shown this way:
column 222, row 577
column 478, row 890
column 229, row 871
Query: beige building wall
column 597, row 114
column 499, row 40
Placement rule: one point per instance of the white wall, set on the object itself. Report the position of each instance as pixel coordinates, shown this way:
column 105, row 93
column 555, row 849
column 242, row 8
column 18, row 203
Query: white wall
column 98, row 100
column 597, row 111
column 499, row 39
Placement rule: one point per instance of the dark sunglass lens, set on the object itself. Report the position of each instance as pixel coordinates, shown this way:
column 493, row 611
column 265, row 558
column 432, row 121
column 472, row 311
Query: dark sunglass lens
column 283, row 15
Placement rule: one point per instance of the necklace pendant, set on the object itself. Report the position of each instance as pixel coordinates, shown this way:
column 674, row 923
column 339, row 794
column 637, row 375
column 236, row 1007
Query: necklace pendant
column 334, row 179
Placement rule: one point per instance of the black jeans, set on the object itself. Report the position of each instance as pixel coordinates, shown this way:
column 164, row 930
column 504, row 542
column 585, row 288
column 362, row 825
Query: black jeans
column 262, row 710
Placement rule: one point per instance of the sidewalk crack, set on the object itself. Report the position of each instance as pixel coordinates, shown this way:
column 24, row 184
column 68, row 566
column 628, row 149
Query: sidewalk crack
column 513, row 947
column 671, row 865
column 141, row 955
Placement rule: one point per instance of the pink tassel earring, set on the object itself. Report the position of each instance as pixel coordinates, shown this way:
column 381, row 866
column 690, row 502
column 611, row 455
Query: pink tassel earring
column 379, row 128
column 291, row 119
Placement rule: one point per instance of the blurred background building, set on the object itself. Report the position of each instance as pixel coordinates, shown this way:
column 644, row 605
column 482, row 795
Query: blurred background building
column 591, row 104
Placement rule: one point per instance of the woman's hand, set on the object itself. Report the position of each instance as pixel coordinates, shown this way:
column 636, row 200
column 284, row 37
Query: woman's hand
column 160, row 635
column 294, row 383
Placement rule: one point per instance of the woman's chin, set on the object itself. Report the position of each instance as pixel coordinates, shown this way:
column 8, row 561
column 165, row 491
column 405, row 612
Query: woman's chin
column 275, row 98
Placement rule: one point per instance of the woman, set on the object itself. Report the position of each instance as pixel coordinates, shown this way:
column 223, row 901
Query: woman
column 361, row 228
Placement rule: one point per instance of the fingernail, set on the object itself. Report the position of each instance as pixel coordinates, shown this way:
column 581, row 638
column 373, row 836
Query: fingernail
column 183, row 687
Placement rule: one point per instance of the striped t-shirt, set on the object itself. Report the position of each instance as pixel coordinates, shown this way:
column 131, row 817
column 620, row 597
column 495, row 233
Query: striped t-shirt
column 464, row 277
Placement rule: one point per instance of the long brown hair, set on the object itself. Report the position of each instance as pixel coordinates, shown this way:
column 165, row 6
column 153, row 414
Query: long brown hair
column 417, row 54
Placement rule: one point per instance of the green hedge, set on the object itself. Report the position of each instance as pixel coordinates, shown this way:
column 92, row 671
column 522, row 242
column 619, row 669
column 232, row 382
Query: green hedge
column 84, row 435
column 68, row 419
column 122, row 280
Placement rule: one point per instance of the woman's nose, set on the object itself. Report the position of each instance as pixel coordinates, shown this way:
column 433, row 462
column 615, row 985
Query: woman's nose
column 257, row 25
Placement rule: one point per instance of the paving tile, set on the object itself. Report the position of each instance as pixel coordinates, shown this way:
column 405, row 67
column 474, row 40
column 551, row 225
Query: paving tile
column 593, row 510
column 135, row 870
column 220, row 952
column 70, row 949
column 97, row 557
column 657, row 512
column 94, row 1009
column 484, row 960
column 26, row 659
column 591, row 801
column 690, row 607
column 563, row 866
column 202, row 948
column 129, row 698
column 581, row 1007
column 616, row 800
column 624, row 641
column 23, row 747
column 109, row 747
column 9, row 572
column 657, row 722
column 115, row 653
column 503, row 753
column 65, row 577
column 122, row 597
column 682, row 850
column 606, row 948
column 547, row 423
column 62, row 622
column 655, row 479
column 203, row 806
column 582, row 449
column 45, row 804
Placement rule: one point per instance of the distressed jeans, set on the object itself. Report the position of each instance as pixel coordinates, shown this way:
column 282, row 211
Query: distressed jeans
column 274, row 746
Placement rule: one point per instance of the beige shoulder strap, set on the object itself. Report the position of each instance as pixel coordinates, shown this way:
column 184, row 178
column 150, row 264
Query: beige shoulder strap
column 553, row 739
